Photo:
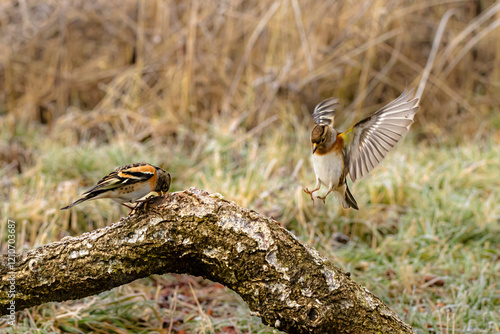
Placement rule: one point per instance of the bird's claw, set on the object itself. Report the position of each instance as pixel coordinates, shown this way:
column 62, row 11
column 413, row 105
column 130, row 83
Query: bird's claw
column 307, row 191
column 322, row 198
column 310, row 192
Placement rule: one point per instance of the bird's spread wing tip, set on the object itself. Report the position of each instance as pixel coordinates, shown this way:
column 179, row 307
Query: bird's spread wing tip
column 324, row 112
column 375, row 136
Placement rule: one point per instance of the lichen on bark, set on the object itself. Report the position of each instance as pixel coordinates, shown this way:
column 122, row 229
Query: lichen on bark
column 284, row 281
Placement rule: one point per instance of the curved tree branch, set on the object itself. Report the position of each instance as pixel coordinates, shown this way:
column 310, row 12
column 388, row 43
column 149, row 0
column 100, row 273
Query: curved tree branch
column 285, row 282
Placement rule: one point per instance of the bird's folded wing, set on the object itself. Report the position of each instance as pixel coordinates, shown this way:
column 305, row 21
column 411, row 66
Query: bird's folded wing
column 369, row 141
column 124, row 176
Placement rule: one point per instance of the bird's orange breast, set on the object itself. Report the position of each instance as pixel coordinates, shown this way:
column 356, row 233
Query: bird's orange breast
column 152, row 181
column 338, row 146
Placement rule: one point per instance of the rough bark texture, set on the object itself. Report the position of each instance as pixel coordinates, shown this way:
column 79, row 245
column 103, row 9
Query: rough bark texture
column 285, row 282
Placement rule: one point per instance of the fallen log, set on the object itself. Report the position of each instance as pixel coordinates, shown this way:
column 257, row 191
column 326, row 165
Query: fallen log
column 285, row 282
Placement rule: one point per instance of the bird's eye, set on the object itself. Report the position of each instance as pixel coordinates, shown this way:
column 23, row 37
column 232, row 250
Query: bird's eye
column 323, row 139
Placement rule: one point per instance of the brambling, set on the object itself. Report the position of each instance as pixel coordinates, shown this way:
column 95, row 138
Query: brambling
column 358, row 150
column 127, row 184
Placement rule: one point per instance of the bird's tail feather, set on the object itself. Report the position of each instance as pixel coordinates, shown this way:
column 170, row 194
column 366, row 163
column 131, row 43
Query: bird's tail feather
column 349, row 201
column 83, row 199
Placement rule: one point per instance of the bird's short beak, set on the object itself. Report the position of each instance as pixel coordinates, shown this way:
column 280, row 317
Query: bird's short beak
column 315, row 147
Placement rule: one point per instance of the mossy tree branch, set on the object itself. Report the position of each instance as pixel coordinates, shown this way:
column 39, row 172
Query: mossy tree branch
column 285, row 282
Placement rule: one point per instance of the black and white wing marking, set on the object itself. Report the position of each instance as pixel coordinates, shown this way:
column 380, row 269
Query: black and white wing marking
column 122, row 176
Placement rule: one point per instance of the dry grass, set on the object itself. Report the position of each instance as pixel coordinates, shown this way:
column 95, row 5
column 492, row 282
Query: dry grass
column 194, row 62
column 219, row 93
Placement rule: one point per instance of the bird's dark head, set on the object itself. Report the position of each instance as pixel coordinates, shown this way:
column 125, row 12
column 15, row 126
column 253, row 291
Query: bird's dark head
column 163, row 183
column 321, row 138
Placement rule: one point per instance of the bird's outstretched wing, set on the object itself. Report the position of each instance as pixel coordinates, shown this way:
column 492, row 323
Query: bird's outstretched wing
column 369, row 141
column 324, row 113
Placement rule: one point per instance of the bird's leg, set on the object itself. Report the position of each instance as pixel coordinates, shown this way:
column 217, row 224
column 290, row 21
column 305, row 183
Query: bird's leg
column 310, row 192
column 130, row 207
column 324, row 197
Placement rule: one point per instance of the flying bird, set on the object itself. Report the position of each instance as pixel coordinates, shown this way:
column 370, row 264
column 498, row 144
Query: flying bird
column 127, row 184
column 358, row 150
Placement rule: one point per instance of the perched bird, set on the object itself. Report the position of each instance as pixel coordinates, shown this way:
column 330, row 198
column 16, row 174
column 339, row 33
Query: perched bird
column 127, row 184
column 358, row 150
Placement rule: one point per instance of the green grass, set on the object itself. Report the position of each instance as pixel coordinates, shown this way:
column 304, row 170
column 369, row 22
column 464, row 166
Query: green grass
column 425, row 239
